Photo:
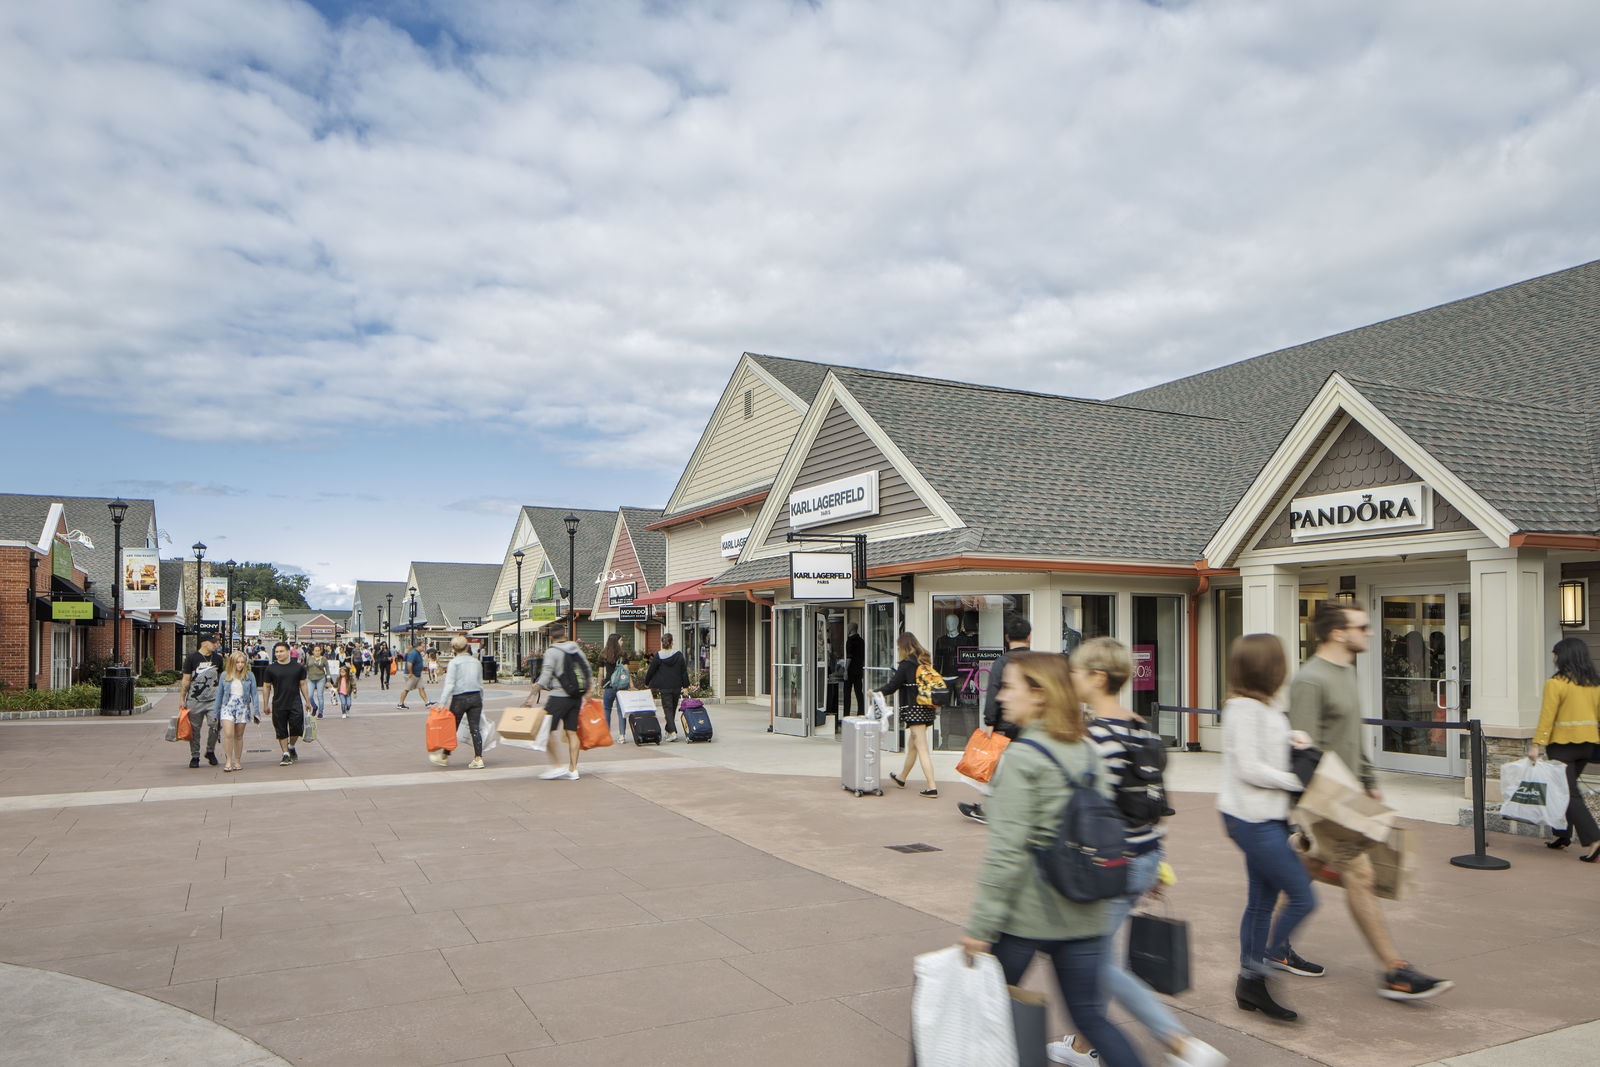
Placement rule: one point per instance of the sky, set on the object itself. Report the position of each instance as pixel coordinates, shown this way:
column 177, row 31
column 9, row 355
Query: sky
column 341, row 284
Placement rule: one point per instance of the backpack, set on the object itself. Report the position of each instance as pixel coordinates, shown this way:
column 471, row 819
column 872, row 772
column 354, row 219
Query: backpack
column 932, row 689
column 621, row 678
column 573, row 681
column 1088, row 860
column 1141, row 793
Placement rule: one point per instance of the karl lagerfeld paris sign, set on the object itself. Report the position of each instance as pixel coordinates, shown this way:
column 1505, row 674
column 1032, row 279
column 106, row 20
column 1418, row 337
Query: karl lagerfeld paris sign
column 846, row 498
column 1360, row 512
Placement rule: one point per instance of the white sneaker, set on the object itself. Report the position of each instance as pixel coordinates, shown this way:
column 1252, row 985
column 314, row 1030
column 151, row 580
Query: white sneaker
column 553, row 773
column 571, row 776
column 1197, row 1053
column 476, row 764
column 1063, row 1052
column 440, row 758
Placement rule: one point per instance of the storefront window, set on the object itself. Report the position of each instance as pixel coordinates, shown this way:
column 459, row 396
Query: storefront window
column 696, row 618
column 881, row 637
column 1084, row 615
column 1311, row 598
column 787, row 668
column 968, row 636
column 1158, row 661
column 1230, row 627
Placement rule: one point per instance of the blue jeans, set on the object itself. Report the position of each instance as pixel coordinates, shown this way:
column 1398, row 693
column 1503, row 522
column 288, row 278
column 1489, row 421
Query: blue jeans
column 1273, row 868
column 1078, row 966
column 608, row 699
column 316, row 695
column 1139, row 1000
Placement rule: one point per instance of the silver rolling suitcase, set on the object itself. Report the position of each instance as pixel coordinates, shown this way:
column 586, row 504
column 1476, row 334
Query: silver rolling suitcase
column 862, row 736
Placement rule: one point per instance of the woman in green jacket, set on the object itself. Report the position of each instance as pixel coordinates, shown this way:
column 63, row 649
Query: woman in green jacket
column 1017, row 913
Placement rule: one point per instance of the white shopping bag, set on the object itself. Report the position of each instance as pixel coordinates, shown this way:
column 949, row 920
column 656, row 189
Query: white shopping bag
column 487, row 730
column 960, row 1012
column 1534, row 792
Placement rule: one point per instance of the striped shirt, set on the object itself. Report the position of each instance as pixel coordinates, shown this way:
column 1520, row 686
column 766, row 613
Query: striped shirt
column 1110, row 737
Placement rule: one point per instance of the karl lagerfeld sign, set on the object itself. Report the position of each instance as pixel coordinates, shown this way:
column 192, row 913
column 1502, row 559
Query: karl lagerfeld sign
column 1359, row 512
column 733, row 543
column 822, row 576
column 846, row 498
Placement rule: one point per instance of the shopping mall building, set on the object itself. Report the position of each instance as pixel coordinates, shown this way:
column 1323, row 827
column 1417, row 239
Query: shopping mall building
column 1438, row 470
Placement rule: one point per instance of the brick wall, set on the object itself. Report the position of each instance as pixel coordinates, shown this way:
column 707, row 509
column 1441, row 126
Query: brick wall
column 16, row 615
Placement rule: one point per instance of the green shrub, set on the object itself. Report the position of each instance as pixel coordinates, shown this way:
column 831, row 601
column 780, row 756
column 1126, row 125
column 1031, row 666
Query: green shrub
column 148, row 668
column 70, row 699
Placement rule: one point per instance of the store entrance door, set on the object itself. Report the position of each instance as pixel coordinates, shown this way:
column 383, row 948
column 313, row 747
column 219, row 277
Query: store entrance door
column 60, row 656
column 788, row 704
column 1421, row 648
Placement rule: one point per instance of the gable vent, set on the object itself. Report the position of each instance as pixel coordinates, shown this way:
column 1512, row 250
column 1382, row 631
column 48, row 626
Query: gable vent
column 749, row 403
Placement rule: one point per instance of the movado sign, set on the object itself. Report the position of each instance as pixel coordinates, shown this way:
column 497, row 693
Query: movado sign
column 1360, row 512
column 822, row 576
column 733, row 543
column 847, row 498
column 621, row 593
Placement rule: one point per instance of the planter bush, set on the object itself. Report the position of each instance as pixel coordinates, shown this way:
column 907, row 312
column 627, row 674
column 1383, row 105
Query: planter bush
column 71, row 699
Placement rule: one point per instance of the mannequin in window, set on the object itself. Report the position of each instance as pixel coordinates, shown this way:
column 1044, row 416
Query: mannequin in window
column 945, row 645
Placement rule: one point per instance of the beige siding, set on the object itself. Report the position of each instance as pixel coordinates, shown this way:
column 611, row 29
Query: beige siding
column 533, row 560
column 843, row 448
column 695, row 551
column 742, row 453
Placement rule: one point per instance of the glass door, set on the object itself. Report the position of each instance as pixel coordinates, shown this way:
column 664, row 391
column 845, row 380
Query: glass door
column 788, row 708
column 1419, row 647
column 60, row 656
column 1158, row 662
column 883, row 630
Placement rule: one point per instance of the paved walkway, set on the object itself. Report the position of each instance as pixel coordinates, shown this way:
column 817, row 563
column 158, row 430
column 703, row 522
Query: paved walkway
column 364, row 907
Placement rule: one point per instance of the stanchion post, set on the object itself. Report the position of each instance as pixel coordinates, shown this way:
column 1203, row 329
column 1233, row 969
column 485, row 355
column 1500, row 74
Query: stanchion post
column 1479, row 860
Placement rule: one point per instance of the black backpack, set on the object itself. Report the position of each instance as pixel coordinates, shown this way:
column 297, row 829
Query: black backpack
column 1088, row 860
column 573, row 682
column 1141, row 791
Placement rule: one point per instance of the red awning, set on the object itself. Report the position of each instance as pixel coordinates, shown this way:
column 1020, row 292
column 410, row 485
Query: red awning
column 675, row 593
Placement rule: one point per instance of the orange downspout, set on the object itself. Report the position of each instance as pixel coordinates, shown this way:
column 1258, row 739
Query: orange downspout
column 1194, row 656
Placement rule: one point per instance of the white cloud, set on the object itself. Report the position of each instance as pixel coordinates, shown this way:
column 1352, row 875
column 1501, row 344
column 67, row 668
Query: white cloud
column 566, row 221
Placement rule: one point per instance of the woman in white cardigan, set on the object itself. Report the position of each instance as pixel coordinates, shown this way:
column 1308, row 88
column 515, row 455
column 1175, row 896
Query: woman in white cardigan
column 1254, row 801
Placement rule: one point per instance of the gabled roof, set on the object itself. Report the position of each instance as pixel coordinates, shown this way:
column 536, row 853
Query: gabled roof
column 19, row 512
column 448, row 592
column 370, row 597
column 171, row 585
column 589, row 549
column 650, row 546
column 801, row 377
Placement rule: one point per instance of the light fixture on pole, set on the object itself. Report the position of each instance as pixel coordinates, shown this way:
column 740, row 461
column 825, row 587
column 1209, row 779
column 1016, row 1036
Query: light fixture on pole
column 119, row 511
column 231, row 564
column 1574, row 606
column 199, row 555
column 571, row 522
column 516, row 606
column 390, row 631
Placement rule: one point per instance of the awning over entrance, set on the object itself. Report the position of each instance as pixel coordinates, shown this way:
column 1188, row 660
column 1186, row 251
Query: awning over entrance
column 675, row 593
column 492, row 628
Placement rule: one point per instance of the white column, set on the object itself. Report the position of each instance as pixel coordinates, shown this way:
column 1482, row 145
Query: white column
column 1272, row 606
column 1510, row 654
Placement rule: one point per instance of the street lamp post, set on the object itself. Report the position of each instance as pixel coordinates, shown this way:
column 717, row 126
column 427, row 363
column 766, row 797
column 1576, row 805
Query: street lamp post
column 571, row 521
column 411, row 619
column 119, row 511
column 390, row 631
column 231, row 564
column 516, row 606
column 199, row 555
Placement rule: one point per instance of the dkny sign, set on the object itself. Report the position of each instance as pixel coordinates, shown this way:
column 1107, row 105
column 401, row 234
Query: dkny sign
column 846, row 498
column 1360, row 512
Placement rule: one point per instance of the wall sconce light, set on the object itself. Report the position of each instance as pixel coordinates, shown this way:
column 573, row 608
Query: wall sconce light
column 1347, row 589
column 1574, row 604
column 711, row 632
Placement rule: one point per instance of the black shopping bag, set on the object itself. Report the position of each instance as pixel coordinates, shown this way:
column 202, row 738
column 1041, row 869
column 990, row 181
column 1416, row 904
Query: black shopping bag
column 1028, row 1019
column 1158, row 952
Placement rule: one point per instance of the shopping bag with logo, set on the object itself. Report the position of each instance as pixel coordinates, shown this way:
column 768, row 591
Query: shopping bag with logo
column 1158, row 952
column 441, row 729
column 961, row 1015
column 1534, row 792
column 593, row 730
column 982, row 755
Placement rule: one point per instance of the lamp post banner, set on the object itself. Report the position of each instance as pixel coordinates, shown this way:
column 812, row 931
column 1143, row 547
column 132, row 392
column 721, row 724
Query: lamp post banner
column 214, row 600
column 252, row 618
column 141, row 579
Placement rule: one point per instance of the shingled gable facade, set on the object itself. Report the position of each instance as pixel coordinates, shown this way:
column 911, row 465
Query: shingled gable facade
column 636, row 567
column 727, row 639
column 1437, row 469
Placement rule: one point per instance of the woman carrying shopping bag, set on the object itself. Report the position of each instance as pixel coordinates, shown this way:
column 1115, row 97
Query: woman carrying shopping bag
column 1569, row 733
column 463, row 696
column 1017, row 913
column 1100, row 668
column 915, row 716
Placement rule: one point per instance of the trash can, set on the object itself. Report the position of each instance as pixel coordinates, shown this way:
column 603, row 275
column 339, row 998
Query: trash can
column 259, row 669
column 491, row 669
column 116, row 691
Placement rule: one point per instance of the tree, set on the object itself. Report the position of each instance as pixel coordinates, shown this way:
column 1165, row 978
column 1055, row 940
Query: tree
column 263, row 582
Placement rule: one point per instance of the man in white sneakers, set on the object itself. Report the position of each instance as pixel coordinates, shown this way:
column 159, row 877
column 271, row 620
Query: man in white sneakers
column 565, row 675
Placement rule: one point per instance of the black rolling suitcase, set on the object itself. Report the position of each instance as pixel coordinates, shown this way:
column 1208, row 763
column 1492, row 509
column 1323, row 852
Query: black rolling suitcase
column 696, row 723
column 645, row 727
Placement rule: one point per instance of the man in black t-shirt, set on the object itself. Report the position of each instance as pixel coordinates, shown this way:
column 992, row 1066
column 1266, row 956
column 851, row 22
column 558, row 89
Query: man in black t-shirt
column 197, row 697
column 286, row 691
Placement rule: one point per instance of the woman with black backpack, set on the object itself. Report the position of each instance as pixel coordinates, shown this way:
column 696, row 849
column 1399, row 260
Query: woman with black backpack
column 1017, row 912
column 1134, row 759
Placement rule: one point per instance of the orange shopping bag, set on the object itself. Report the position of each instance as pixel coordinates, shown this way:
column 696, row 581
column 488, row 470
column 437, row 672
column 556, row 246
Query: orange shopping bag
column 185, row 726
column 593, row 730
column 982, row 755
column 441, row 729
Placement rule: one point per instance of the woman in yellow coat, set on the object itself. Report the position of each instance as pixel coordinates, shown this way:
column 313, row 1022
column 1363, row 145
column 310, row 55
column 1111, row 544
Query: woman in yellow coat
column 1569, row 732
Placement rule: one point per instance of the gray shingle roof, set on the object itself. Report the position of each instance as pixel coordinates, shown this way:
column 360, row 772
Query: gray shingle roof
column 370, row 597
column 171, row 584
column 879, row 553
column 590, row 549
column 650, row 546
column 801, row 377
column 447, row 592
column 22, row 517
column 713, row 505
